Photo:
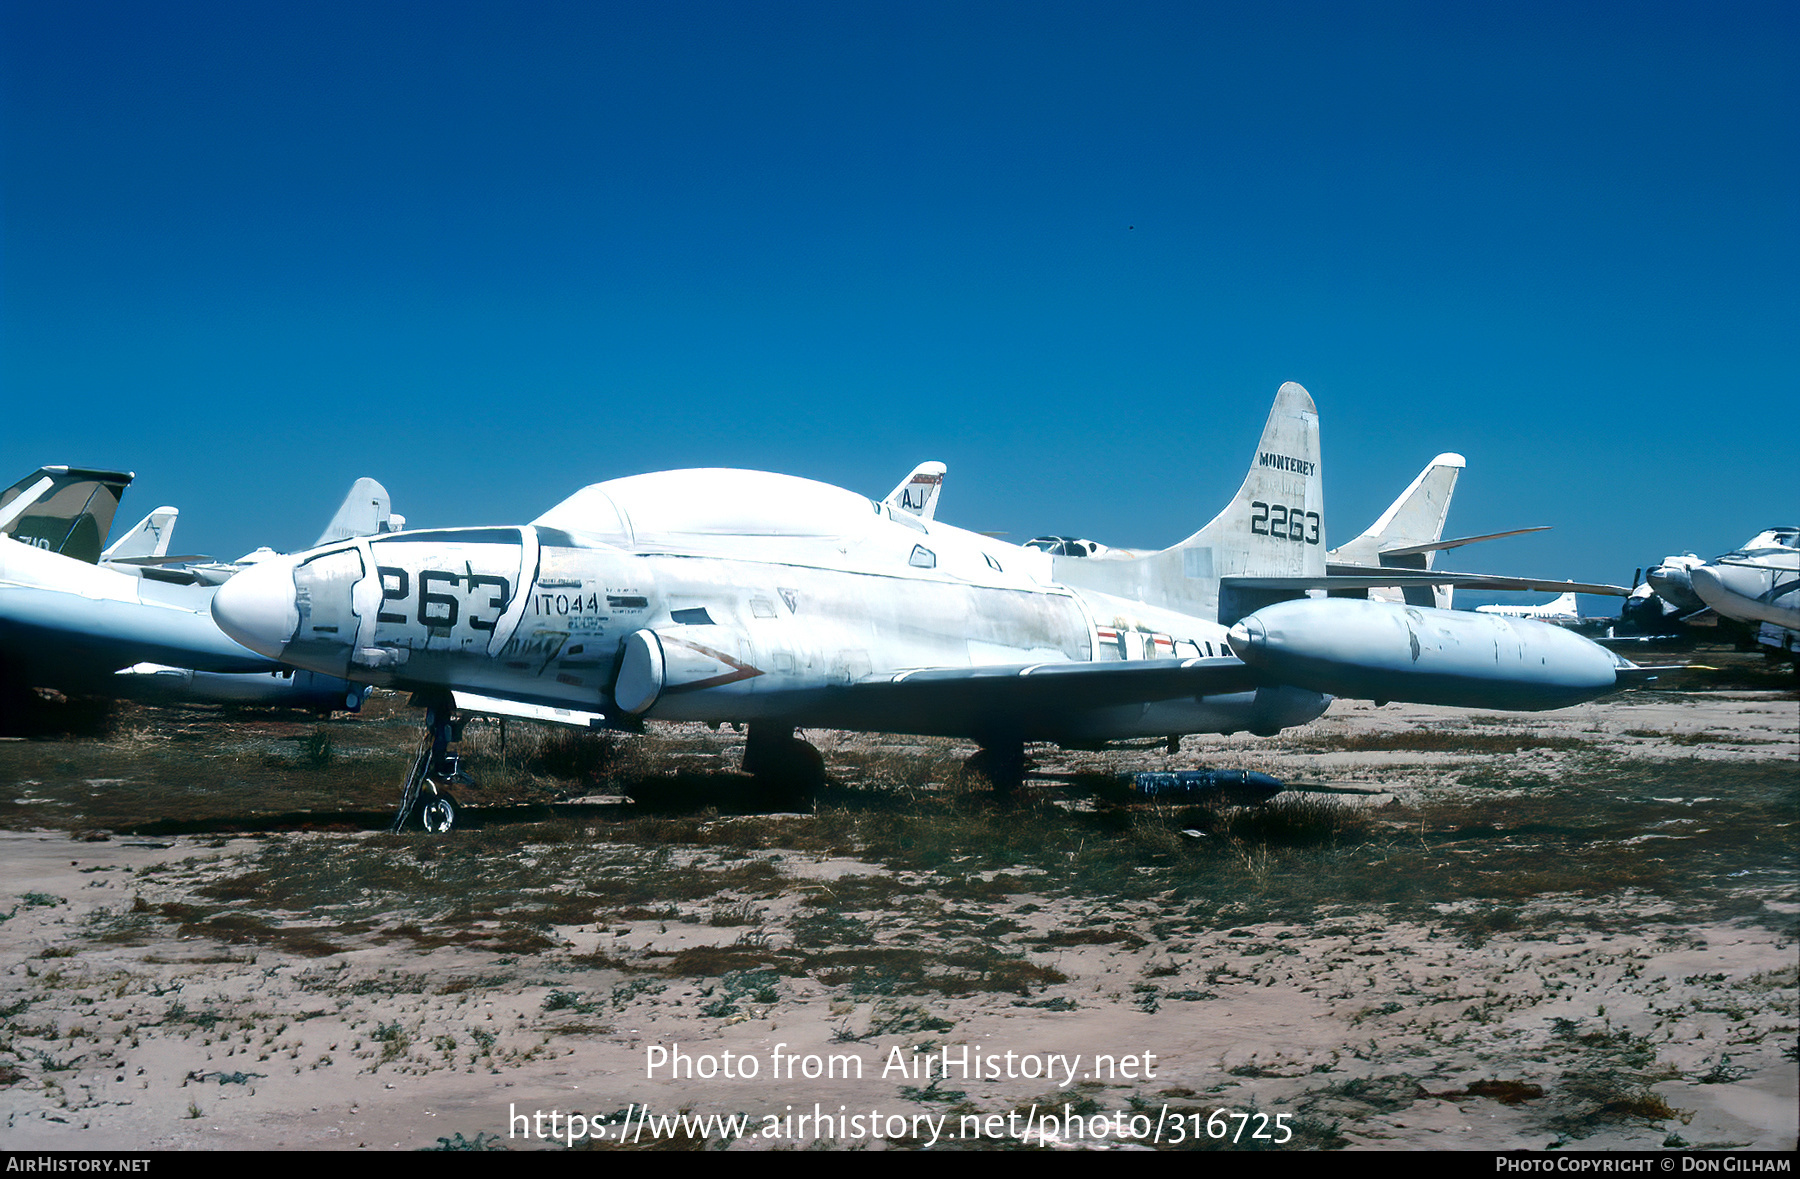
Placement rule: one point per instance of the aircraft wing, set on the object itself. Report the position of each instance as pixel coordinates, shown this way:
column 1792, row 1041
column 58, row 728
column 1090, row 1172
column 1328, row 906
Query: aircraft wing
column 75, row 633
column 943, row 699
column 1028, row 697
column 1239, row 596
column 1355, row 577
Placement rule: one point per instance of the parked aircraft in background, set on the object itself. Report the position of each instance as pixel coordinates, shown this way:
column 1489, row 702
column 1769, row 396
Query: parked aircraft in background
column 1671, row 579
column 1748, row 596
column 1757, row 587
column 115, row 628
column 366, row 511
column 1409, row 536
column 1560, row 611
column 779, row 602
column 65, row 510
column 146, row 543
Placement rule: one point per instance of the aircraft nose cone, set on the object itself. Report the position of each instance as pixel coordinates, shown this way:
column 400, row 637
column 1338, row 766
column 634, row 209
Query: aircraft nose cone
column 257, row 608
column 1247, row 638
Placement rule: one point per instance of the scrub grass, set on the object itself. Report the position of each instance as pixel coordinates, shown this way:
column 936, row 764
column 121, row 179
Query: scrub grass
column 945, row 891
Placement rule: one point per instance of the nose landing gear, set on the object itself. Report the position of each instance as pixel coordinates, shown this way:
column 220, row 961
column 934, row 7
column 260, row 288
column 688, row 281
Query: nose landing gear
column 437, row 812
column 427, row 792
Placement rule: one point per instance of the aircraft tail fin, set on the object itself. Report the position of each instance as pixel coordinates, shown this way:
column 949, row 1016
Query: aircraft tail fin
column 1416, row 518
column 366, row 511
column 67, row 510
column 1401, row 537
column 1273, row 527
column 918, row 492
column 150, row 538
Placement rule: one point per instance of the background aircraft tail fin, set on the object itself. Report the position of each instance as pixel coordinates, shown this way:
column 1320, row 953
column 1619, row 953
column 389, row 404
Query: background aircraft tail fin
column 1273, row 527
column 918, row 492
column 1416, row 518
column 366, row 511
column 67, row 510
column 150, row 538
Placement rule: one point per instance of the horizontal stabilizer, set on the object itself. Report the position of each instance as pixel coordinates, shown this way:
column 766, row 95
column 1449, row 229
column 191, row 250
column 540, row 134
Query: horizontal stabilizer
column 181, row 559
column 1458, row 542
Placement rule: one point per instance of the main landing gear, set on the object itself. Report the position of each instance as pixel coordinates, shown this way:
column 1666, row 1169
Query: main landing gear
column 427, row 794
column 1002, row 763
column 782, row 763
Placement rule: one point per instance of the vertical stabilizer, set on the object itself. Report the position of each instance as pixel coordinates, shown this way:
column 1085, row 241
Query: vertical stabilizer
column 1416, row 518
column 1273, row 527
column 364, row 512
column 67, row 510
column 918, row 492
column 149, row 539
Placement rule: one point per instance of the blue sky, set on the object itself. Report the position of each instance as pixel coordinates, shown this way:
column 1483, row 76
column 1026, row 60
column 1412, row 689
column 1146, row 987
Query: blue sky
column 491, row 253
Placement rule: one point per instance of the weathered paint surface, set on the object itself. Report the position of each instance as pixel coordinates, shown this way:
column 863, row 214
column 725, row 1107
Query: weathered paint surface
column 726, row 595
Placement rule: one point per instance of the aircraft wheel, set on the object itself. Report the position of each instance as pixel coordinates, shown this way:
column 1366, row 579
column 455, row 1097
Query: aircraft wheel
column 438, row 813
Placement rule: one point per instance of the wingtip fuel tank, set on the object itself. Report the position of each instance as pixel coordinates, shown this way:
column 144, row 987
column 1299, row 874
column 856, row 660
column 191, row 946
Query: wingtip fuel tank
column 1385, row 651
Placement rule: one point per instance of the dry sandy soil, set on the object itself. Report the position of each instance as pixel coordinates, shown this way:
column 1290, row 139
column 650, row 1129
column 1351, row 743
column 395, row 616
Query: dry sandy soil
column 1554, row 929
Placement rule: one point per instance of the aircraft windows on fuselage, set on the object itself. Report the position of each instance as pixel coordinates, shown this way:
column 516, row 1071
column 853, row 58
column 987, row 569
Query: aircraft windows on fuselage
column 922, row 558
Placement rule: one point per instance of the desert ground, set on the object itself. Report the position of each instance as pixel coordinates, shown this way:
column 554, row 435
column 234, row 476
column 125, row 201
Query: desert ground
column 1471, row 930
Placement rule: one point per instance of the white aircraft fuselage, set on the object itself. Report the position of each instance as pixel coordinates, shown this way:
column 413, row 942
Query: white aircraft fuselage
column 720, row 595
column 726, row 595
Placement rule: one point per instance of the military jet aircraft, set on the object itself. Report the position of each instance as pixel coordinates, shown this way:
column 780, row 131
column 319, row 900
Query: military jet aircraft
column 783, row 603
column 118, row 623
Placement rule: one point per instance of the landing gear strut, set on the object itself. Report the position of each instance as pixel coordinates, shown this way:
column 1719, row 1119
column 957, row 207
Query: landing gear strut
column 1001, row 763
column 427, row 792
column 782, row 762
